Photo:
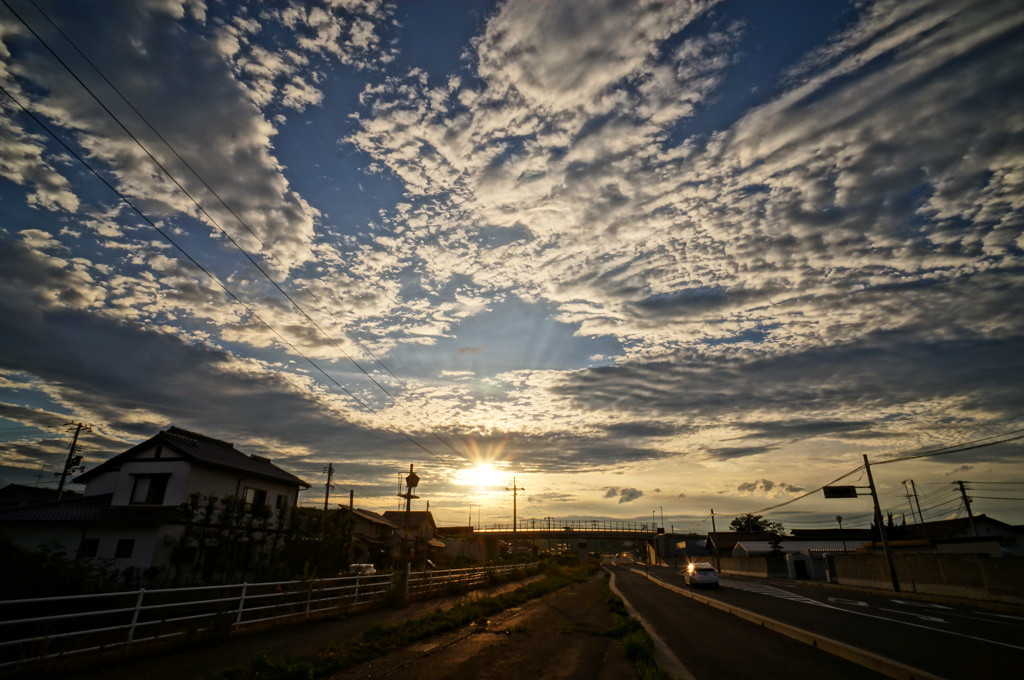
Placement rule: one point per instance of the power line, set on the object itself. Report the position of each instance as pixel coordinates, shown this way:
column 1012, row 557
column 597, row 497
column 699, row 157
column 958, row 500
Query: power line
column 208, row 273
column 214, row 221
column 958, row 448
column 954, row 448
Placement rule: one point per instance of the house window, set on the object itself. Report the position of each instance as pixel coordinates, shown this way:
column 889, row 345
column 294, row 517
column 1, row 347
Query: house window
column 282, row 502
column 125, row 546
column 89, row 547
column 255, row 497
column 149, row 489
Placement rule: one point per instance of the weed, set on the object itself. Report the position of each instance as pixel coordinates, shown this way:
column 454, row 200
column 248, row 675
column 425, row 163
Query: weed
column 380, row 638
column 636, row 643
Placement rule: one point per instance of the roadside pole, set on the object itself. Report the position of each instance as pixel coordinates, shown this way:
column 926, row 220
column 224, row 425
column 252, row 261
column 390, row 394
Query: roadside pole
column 881, row 528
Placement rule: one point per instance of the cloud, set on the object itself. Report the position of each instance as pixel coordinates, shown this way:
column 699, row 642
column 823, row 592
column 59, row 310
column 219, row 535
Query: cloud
column 624, row 494
column 780, row 233
column 838, row 262
column 764, row 487
column 628, row 495
column 23, row 160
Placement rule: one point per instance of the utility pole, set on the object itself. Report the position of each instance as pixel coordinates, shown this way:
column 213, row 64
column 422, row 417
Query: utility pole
column 967, row 505
column 881, row 528
column 73, row 461
column 924, row 529
column 515, row 522
column 327, row 489
column 654, row 528
column 327, row 496
column 718, row 561
column 906, row 491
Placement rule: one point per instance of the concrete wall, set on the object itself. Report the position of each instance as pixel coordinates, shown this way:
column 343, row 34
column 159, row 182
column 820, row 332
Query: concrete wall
column 743, row 566
column 977, row 577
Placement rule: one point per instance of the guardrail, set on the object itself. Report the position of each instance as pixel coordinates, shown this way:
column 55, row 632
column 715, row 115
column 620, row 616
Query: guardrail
column 48, row 628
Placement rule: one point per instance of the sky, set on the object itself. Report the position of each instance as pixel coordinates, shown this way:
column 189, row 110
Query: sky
column 647, row 259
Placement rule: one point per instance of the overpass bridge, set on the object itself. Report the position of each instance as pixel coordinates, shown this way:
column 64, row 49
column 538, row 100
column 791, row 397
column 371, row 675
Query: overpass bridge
column 576, row 530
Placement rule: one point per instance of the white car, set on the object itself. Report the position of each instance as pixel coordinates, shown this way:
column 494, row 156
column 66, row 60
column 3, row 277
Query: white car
column 362, row 569
column 700, row 574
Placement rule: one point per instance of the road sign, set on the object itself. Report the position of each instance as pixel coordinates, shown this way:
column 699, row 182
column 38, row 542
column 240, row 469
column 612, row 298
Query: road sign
column 840, row 491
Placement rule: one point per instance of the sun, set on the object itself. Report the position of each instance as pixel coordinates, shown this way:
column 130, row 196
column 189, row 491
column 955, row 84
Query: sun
column 480, row 476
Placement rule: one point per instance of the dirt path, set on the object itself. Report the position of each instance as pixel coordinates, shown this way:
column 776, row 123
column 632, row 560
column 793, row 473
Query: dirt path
column 308, row 637
column 557, row 637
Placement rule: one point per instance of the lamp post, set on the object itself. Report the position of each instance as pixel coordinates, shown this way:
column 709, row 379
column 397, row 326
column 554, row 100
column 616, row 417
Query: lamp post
column 412, row 480
column 515, row 494
column 839, row 518
column 654, row 523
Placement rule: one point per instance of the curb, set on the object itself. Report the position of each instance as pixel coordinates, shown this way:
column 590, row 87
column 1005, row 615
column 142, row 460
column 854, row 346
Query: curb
column 664, row 657
column 861, row 657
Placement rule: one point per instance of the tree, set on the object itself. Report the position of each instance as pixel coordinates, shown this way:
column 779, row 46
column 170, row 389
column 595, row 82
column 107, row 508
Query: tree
column 753, row 523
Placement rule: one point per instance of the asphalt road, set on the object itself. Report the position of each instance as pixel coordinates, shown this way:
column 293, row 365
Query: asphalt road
column 942, row 639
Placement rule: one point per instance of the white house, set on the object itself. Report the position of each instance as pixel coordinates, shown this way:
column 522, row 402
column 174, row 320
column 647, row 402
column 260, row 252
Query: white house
column 133, row 510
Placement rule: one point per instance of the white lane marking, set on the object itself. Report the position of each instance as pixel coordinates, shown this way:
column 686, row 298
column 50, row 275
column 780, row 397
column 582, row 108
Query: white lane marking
column 911, row 603
column 852, row 603
column 773, row 592
column 736, row 584
column 923, row 617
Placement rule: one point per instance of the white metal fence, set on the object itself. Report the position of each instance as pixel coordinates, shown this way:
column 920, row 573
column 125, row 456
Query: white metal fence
column 47, row 628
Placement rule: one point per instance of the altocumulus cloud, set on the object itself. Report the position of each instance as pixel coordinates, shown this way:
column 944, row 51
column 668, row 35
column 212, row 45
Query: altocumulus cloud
column 625, row 494
column 767, row 487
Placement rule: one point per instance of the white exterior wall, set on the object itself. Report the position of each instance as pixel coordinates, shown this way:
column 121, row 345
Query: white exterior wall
column 153, row 544
column 221, row 484
column 179, row 475
column 105, row 483
column 142, row 552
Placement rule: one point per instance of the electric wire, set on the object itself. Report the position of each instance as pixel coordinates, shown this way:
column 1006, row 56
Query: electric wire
column 214, row 221
column 954, row 448
column 212, row 277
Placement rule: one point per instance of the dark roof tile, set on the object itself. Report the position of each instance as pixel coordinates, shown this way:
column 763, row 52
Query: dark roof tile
column 204, row 450
column 88, row 510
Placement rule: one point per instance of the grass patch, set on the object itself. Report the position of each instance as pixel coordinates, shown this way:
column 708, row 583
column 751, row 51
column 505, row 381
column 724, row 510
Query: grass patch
column 636, row 643
column 380, row 639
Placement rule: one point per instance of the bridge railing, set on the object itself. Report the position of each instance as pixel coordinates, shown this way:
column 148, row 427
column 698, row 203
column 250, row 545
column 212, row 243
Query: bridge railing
column 571, row 526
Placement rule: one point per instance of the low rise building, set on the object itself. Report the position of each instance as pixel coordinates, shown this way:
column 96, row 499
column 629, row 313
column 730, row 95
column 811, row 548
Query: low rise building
column 136, row 506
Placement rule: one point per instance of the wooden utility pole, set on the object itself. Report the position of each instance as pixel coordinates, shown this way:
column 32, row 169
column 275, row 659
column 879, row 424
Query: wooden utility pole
column 967, row 505
column 72, row 460
column 327, row 489
column 327, row 497
column 924, row 529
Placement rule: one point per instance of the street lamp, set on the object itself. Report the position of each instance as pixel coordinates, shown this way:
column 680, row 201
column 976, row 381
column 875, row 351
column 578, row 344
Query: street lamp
column 839, row 518
column 412, row 480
